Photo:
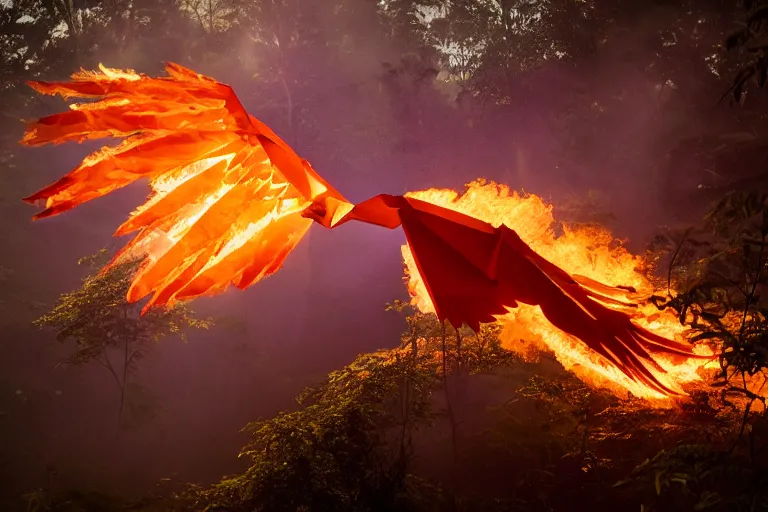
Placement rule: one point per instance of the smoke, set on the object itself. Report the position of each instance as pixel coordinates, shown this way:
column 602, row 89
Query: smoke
column 369, row 125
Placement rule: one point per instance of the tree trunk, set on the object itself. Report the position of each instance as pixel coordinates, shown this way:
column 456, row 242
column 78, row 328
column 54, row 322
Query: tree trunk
column 123, row 385
column 451, row 418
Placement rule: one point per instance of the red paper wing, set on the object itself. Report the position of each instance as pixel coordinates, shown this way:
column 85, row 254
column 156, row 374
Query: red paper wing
column 227, row 192
column 473, row 272
column 578, row 311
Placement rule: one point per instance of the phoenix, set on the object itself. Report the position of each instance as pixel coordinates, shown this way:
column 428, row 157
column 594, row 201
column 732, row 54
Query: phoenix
column 230, row 201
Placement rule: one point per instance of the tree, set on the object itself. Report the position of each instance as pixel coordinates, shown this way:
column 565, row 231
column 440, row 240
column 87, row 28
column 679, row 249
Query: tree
column 334, row 452
column 105, row 327
column 717, row 275
column 613, row 85
column 349, row 445
column 750, row 42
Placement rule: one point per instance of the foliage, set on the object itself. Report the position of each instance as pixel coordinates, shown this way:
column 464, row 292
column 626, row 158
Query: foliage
column 716, row 277
column 567, row 404
column 332, row 453
column 701, row 478
column 465, row 351
column 597, row 91
column 718, row 274
column 74, row 500
column 100, row 321
column 750, row 38
column 557, row 441
column 349, row 445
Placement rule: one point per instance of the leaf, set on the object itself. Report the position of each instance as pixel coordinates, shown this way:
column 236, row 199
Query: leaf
column 707, row 500
column 738, row 83
column 736, row 39
column 658, row 482
column 762, row 75
column 97, row 318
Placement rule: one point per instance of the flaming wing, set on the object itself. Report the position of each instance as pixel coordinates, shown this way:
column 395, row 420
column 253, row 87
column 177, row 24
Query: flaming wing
column 473, row 272
column 231, row 200
column 227, row 192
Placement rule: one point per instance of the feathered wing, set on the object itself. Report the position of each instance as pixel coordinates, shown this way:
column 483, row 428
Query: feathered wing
column 474, row 272
column 227, row 192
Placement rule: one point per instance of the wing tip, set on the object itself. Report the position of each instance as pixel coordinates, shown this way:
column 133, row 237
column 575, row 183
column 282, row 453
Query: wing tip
column 43, row 214
column 41, row 87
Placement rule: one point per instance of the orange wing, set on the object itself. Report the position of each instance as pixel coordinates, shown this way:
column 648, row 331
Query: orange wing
column 227, row 192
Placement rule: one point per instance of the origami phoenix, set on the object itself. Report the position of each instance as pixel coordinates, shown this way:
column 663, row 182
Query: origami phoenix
column 231, row 200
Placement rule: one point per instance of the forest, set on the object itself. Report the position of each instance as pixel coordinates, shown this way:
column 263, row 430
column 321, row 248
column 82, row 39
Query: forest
column 326, row 388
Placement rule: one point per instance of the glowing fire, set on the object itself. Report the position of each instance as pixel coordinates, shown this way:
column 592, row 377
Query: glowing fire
column 220, row 212
column 230, row 199
column 590, row 252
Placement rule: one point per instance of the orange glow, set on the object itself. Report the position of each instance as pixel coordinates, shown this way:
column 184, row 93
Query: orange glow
column 589, row 252
column 222, row 211
column 230, row 200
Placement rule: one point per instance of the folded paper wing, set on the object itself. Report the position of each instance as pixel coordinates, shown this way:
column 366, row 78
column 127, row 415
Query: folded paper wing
column 474, row 272
column 227, row 192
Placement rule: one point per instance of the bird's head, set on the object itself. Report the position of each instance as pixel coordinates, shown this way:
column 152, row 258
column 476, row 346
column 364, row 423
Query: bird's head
column 327, row 211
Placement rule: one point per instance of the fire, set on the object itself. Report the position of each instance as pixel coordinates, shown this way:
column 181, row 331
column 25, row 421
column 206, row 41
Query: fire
column 230, row 200
column 590, row 253
column 220, row 212
column 114, row 74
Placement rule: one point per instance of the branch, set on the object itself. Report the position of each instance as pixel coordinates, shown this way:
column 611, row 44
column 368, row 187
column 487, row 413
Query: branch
column 674, row 259
column 108, row 365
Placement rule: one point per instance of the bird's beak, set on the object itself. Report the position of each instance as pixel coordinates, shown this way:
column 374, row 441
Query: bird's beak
column 327, row 211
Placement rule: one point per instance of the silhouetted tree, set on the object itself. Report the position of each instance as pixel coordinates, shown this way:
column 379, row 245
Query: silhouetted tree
column 106, row 328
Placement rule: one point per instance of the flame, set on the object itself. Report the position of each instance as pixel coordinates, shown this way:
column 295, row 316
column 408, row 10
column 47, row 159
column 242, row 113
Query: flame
column 117, row 74
column 584, row 252
column 228, row 196
column 221, row 212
